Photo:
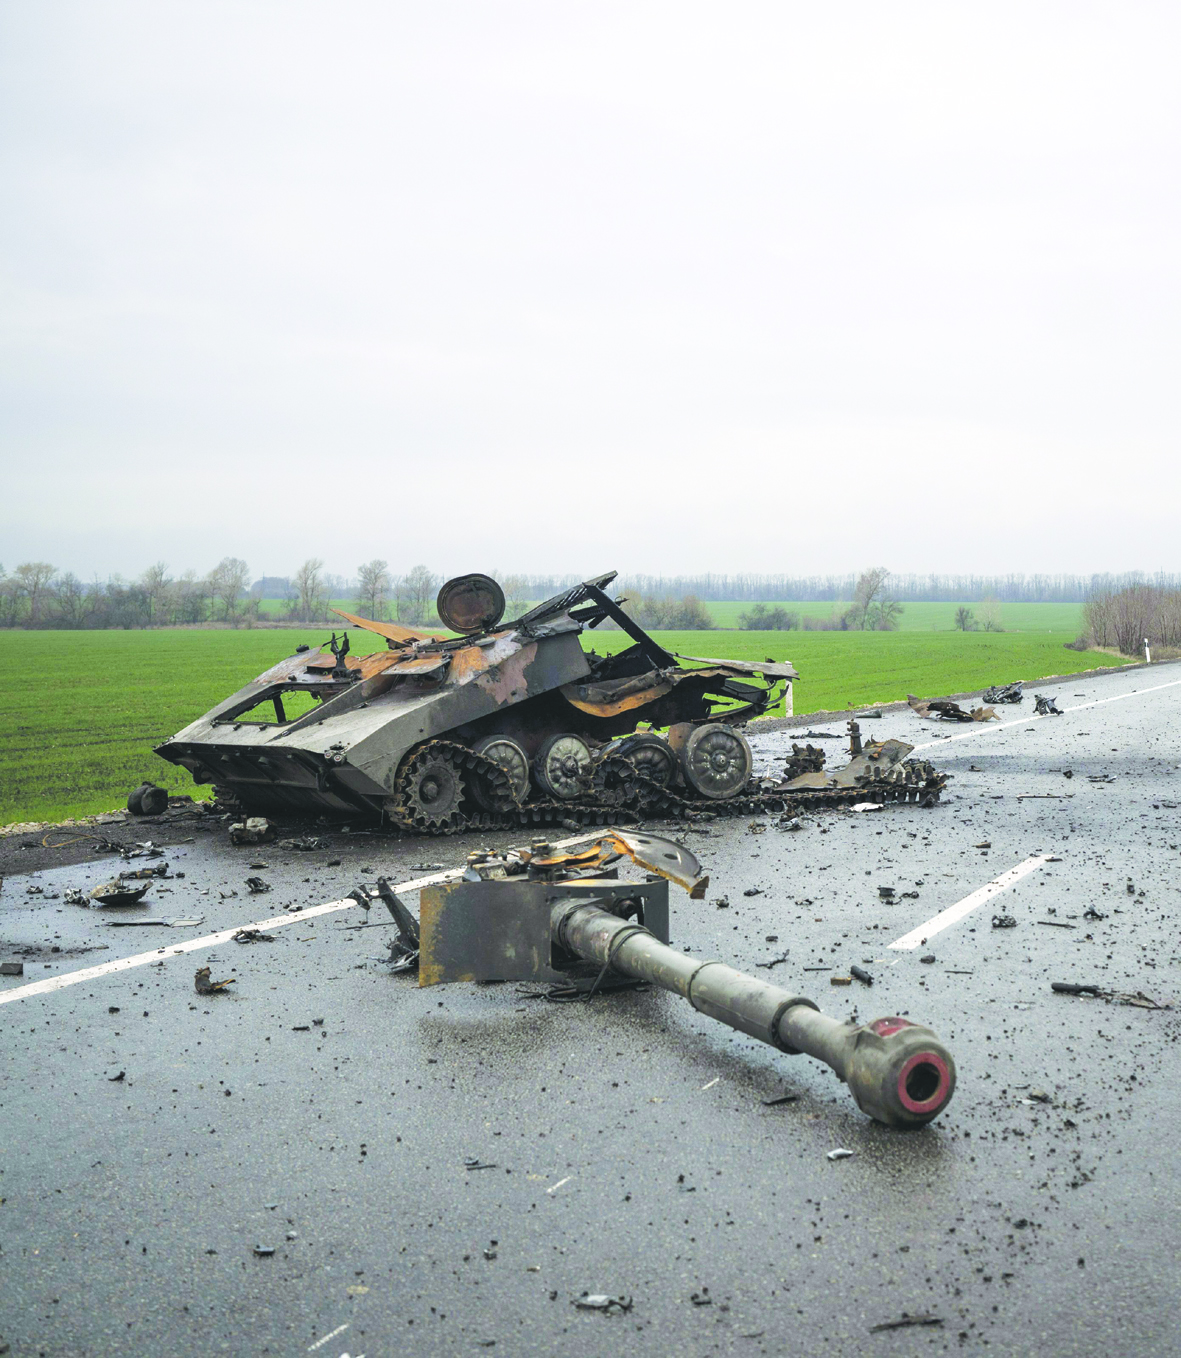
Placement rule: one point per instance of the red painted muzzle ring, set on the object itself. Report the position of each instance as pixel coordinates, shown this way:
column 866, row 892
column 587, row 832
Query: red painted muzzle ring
column 940, row 1094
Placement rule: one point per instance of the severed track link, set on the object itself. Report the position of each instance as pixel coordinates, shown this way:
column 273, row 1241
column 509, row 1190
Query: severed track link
column 636, row 797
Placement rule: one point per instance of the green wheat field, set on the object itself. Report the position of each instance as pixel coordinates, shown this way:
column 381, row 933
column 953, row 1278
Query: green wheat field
column 80, row 711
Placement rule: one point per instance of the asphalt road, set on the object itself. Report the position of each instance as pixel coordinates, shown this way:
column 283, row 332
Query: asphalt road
column 629, row 1146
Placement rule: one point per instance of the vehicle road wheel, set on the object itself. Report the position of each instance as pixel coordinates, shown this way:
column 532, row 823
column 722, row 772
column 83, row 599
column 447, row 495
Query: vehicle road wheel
column 562, row 767
column 716, row 761
column 505, row 752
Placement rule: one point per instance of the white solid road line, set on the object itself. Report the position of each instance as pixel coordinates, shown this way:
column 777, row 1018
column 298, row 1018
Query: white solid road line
column 956, row 912
column 52, row 983
column 984, row 727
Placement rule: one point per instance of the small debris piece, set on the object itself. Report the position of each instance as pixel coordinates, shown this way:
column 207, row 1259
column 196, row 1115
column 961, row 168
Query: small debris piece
column 774, row 962
column 117, row 892
column 754, row 891
column 1039, row 1095
column 904, row 1321
column 929, row 958
column 886, row 892
column 839, row 1154
column 986, row 844
column 1006, row 693
column 1046, row 707
column 204, row 986
column 1054, row 924
column 309, row 844
column 253, row 830
column 12, row 968
column 253, row 936
column 789, row 823
column 722, row 903
column 471, row 1162
column 702, row 1298
column 599, row 1301
column 1091, row 913
column 115, row 1079
column 1003, row 922
column 840, row 980
column 256, row 886
column 868, row 806
column 264, row 1251
column 783, row 1098
column 862, row 975
column 1067, row 988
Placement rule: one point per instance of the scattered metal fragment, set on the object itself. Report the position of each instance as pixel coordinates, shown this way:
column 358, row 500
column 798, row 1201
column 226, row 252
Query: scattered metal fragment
column 839, row 1154
column 308, row 844
column 12, row 968
column 1046, row 707
column 928, row 958
column 253, row 936
column 172, row 922
column 722, row 903
column 985, row 844
column 1136, row 998
column 867, row 806
column 264, row 1251
column 943, row 709
column 1091, row 913
column 600, row 1301
column 1054, row 923
column 783, row 1098
column 885, row 892
column 754, row 891
column 1003, row 922
column 117, row 892
column 903, row 1321
column 861, row 975
column 256, row 886
column 253, row 830
column 475, row 1162
column 1004, row 693
column 840, row 980
column 116, row 1079
column 204, row 986
column 775, row 962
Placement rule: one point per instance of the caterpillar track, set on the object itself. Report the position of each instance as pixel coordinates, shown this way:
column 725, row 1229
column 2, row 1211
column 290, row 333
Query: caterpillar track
column 619, row 795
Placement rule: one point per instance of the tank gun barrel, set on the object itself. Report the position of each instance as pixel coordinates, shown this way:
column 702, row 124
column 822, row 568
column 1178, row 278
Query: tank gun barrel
column 897, row 1071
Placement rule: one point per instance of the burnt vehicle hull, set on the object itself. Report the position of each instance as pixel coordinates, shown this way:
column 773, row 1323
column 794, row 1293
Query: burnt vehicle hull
column 515, row 723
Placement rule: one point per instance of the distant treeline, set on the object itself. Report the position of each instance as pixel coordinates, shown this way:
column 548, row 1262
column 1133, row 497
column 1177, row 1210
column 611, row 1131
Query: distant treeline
column 1009, row 589
column 37, row 594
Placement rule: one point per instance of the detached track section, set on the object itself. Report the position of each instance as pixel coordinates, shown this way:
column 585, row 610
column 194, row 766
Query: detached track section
column 915, row 781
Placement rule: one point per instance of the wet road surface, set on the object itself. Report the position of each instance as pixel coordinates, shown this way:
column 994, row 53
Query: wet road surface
column 153, row 1138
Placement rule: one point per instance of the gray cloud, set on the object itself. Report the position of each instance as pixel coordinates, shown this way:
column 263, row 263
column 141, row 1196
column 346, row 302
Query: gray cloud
column 665, row 287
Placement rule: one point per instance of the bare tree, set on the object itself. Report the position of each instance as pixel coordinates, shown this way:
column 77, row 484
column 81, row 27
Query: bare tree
column 308, row 582
column 373, row 584
column 153, row 584
column 869, row 590
column 71, row 598
column 34, row 579
column 516, row 594
column 990, row 613
column 227, row 581
column 416, row 594
column 883, row 614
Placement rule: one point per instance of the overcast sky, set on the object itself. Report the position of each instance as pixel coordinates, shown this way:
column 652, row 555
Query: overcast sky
column 568, row 287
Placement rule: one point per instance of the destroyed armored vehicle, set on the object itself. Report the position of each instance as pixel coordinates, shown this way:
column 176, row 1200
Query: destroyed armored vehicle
column 505, row 724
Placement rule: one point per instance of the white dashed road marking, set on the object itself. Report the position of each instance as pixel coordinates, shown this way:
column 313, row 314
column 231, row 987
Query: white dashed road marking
column 954, row 913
